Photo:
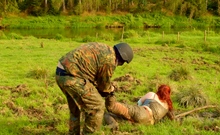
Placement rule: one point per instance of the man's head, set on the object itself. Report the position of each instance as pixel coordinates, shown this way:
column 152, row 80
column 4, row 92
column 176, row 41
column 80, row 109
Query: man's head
column 123, row 53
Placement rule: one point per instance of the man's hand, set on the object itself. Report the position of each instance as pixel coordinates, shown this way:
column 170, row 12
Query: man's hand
column 111, row 92
column 112, row 88
column 105, row 94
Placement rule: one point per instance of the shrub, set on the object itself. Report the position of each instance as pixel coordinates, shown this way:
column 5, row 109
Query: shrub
column 15, row 36
column 59, row 37
column 2, row 35
column 191, row 97
column 131, row 34
column 89, row 39
column 38, row 73
column 106, row 37
column 180, row 74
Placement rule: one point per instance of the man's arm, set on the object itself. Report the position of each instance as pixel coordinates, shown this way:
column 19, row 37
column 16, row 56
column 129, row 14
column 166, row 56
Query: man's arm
column 104, row 79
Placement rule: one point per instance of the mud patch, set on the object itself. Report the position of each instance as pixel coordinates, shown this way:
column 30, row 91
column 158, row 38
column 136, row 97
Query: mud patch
column 21, row 90
column 125, row 83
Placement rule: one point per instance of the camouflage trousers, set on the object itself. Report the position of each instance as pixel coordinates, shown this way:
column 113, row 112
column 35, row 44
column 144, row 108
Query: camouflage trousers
column 85, row 104
column 133, row 113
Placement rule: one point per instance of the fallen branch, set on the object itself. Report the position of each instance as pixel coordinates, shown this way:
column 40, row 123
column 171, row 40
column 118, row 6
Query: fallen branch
column 196, row 109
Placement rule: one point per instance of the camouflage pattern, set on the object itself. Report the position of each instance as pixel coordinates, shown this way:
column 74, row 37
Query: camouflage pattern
column 90, row 68
column 132, row 113
column 93, row 61
column 136, row 113
column 158, row 110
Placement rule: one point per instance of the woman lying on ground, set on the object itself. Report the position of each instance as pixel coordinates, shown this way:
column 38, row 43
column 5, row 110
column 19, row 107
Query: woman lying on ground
column 150, row 108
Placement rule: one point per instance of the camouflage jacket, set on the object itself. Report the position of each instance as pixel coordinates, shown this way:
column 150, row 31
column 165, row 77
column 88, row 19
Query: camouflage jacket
column 93, row 61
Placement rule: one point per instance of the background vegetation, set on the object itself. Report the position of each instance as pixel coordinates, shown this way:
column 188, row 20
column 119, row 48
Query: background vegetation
column 128, row 21
column 188, row 8
column 71, row 14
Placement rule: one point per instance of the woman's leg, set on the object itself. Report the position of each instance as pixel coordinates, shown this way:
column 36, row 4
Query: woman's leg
column 117, row 108
column 132, row 113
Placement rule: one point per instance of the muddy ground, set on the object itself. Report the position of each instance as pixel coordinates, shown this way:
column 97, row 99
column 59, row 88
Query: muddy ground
column 50, row 125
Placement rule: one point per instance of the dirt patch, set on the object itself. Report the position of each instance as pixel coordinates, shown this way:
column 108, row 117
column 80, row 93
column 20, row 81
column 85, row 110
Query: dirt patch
column 21, row 90
column 125, row 83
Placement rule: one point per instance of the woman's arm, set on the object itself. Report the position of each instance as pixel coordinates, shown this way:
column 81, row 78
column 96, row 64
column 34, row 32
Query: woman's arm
column 170, row 115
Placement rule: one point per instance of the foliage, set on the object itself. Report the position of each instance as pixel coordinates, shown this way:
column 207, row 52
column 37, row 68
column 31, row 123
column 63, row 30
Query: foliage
column 38, row 73
column 14, row 36
column 36, row 22
column 59, row 37
column 180, row 74
column 89, row 39
column 40, row 107
column 2, row 35
column 106, row 37
column 154, row 20
column 189, row 8
column 131, row 34
column 192, row 97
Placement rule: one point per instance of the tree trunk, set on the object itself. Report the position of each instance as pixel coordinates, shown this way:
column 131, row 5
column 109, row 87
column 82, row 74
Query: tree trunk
column 218, row 7
column 70, row 4
column 110, row 4
column 122, row 5
column 45, row 4
column 64, row 6
column 4, row 6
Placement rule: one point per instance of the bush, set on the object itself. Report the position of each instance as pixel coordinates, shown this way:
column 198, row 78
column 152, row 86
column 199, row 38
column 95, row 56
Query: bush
column 38, row 73
column 106, row 37
column 89, row 39
column 15, row 36
column 192, row 97
column 131, row 34
column 59, row 37
column 2, row 35
column 180, row 74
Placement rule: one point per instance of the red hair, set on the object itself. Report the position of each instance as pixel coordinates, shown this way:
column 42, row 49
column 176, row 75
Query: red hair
column 164, row 95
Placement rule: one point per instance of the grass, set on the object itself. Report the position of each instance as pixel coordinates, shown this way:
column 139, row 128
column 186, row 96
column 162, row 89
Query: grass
column 129, row 21
column 32, row 103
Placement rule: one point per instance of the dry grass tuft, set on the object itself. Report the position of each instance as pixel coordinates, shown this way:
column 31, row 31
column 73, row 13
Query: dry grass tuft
column 180, row 74
column 192, row 97
column 38, row 73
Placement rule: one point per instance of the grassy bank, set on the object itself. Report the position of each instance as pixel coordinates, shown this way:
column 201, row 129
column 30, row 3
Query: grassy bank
column 128, row 20
column 31, row 102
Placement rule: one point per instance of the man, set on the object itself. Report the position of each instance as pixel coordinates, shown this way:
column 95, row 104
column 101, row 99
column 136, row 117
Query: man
column 84, row 76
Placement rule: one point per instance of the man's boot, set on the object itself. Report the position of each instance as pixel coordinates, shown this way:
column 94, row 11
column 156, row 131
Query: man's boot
column 110, row 121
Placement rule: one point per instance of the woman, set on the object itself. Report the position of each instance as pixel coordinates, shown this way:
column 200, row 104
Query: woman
column 150, row 108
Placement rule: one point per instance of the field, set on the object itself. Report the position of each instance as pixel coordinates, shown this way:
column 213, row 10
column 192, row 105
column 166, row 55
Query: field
column 32, row 103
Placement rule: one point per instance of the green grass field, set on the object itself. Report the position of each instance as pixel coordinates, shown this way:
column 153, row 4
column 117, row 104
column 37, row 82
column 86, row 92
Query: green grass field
column 32, row 103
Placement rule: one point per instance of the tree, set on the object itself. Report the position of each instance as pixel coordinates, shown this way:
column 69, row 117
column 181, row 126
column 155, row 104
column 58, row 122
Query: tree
column 3, row 4
column 218, row 11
